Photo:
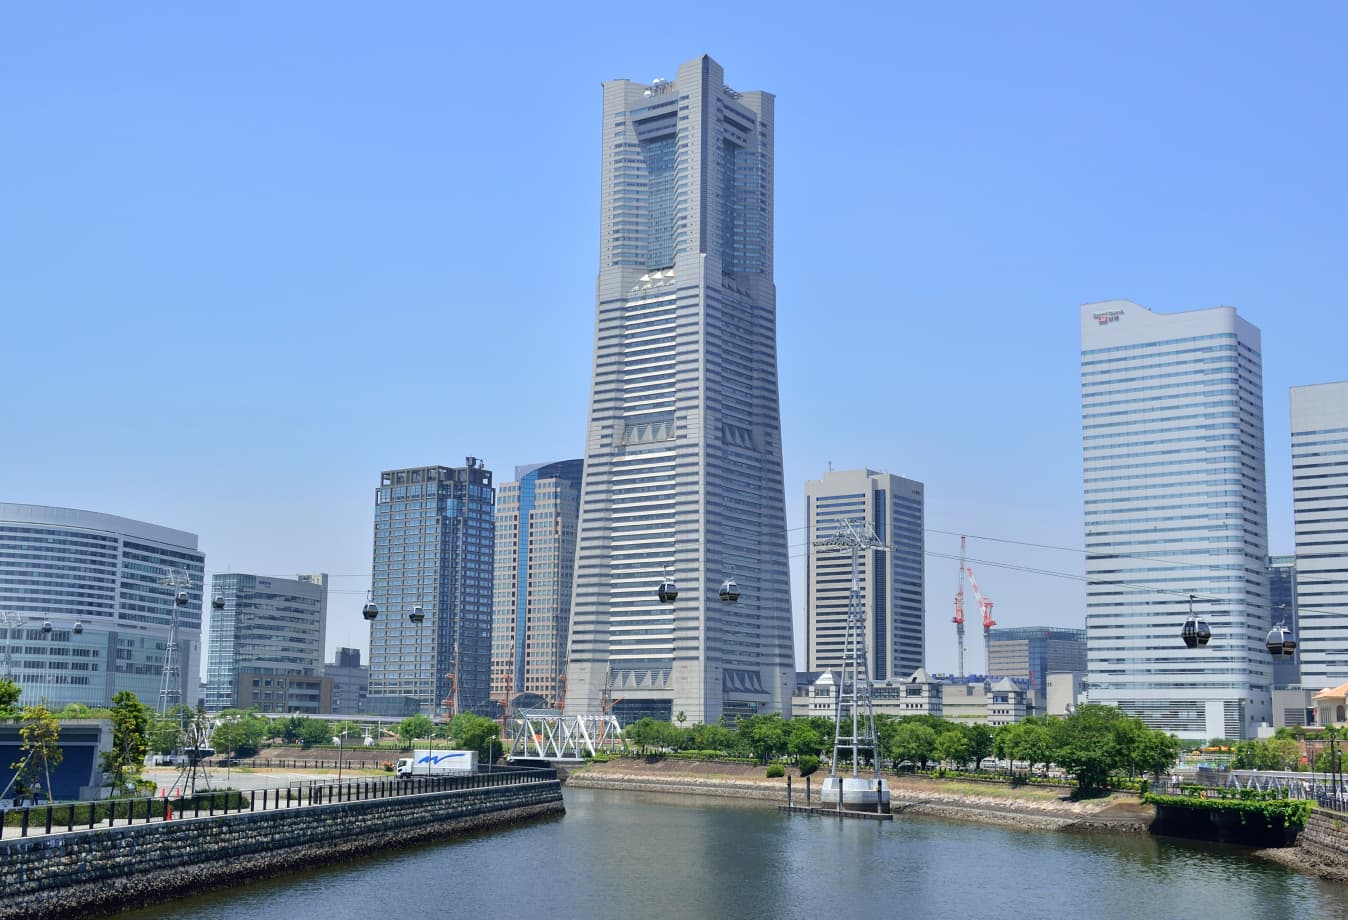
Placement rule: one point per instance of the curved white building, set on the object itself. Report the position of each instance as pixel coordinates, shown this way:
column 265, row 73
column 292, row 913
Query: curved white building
column 95, row 579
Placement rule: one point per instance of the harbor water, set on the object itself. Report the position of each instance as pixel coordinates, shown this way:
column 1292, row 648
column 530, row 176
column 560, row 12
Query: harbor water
column 628, row 855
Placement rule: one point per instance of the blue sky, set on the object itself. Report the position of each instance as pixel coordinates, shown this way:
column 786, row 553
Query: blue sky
column 249, row 257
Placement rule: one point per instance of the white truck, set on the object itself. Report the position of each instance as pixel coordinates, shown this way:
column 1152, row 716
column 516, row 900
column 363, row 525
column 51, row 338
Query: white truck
column 437, row 763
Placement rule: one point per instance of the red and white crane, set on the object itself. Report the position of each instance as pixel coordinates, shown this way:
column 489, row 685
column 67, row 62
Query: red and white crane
column 985, row 606
column 959, row 611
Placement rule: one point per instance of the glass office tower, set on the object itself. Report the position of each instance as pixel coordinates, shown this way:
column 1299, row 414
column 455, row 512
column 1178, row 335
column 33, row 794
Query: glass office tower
column 892, row 582
column 535, row 558
column 1320, row 523
column 266, row 627
column 433, row 549
column 1173, row 459
column 683, row 456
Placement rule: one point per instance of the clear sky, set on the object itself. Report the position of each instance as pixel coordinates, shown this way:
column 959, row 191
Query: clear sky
column 252, row 255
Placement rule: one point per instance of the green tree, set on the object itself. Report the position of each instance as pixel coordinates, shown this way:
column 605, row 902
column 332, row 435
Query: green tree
column 240, row 732
column 166, row 733
column 952, row 745
column 1031, row 741
column 713, row 737
column 472, row 732
column 9, row 698
column 130, row 743
column 1085, row 745
column 414, row 727
column 763, row 735
column 1282, row 754
column 980, row 739
column 40, row 747
column 912, row 741
column 802, row 738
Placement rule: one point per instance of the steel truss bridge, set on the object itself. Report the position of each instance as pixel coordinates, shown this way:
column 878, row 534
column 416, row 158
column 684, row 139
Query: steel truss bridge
column 549, row 735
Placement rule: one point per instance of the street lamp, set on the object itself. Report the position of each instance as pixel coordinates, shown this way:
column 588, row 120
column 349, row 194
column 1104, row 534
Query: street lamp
column 340, row 740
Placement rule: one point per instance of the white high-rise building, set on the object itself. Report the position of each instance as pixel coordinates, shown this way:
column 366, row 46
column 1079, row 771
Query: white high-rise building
column 683, row 457
column 1173, row 451
column 83, row 613
column 891, row 582
column 1320, row 521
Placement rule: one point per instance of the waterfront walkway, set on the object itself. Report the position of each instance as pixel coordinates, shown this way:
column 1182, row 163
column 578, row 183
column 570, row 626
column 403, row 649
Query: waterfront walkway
column 172, row 805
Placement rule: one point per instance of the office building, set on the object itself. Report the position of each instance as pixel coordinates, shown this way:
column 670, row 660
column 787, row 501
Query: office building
column 433, row 550
column 350, row 681
column 1173, row 461
column 83, row 615
column 535, row 557
column 683, row 455
column 891, row 582
column 1035, row 652
column 263, row 627
column 1282, row 601
column 1320, row 525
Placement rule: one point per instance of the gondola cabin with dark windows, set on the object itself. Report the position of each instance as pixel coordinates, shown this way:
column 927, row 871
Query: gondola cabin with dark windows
column 1281, row 643
column 730, row 592
column 668, row 592
column 1195, row 632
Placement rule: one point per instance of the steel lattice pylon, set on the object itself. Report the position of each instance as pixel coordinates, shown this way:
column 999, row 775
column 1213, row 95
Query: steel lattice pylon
column 854, row 713
column 170, row 680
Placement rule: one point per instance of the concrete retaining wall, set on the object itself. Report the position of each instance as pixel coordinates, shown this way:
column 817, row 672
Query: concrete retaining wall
column 109, row 869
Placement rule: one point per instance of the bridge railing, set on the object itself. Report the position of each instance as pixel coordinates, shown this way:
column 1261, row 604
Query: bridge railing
column 68, row 817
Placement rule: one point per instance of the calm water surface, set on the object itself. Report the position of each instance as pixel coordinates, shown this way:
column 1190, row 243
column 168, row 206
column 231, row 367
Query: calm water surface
column 623, row 855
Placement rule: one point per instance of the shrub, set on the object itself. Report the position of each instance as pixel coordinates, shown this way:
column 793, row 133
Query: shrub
column 387, row 766
column 808, row 764
column 776, row 770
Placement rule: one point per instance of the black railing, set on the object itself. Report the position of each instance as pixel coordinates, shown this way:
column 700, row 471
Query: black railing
column 67, row 817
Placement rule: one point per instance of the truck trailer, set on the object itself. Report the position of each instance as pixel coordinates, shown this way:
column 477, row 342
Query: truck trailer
column 437, row 763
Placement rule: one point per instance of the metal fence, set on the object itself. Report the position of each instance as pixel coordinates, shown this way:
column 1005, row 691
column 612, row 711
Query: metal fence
column 67, row 817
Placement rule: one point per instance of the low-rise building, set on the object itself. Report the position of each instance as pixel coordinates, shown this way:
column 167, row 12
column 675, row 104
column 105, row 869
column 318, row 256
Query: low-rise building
column 350, row 681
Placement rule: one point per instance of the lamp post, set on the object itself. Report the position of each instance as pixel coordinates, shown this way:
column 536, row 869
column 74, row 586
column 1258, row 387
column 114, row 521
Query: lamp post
column 341, row 749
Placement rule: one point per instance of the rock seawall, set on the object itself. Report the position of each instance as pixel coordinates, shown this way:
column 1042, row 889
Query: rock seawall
column 87, row 873
column 1054, row 815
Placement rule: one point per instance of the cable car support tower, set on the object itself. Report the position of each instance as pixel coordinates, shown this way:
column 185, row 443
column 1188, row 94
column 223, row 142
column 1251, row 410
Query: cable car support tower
column 854, row 714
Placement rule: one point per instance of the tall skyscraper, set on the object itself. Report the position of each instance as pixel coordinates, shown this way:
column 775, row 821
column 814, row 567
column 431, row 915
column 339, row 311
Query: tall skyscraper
column 683, row 458
column 535, row 559
column 1282, row 602
column 264, row 627
column 1173, row 458
column 893, row 596
column 83, row 614
column 433, row 550
column 1320, row 523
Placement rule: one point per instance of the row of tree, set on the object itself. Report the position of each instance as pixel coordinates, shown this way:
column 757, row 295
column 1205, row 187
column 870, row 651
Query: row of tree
column 1092, row 744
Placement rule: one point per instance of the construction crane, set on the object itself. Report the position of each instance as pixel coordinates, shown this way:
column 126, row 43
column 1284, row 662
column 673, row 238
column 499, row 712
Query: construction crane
column 959, row 611
column 985, row 606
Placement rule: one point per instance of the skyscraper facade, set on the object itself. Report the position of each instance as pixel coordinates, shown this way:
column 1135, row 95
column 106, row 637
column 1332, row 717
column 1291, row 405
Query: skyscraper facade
column 683, row 456
column 531, row 603
column 1282, row 602
column 433, row 550
column 893, row 597
column 83, row 614
column 263, row 627
column 1320, row 524
column 1173, row 459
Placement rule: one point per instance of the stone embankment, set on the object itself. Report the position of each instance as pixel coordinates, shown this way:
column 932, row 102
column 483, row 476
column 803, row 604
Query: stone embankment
column 1321, row 848
column 1026, row 807
column 92, row 872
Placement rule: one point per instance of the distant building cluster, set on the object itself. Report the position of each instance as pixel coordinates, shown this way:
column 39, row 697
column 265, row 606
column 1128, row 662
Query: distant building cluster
column 651, row 576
